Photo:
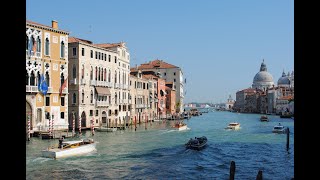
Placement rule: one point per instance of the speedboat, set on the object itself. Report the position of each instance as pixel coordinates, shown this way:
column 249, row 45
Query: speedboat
column 279, row 129
column 180, row 126
column 196, row 143
column 70, row 148
column 264, row 118
column 233, row 126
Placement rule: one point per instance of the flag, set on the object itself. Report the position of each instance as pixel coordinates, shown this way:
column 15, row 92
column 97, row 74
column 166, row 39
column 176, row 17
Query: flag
column 63, row 85
column 42, row 85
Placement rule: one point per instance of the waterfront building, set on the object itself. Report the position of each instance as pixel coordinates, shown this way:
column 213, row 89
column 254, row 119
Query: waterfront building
column 142, row 96
column 282, row 104
column 170, row 73
column 171, row 99
column 263, row 79
column 241, row 98
column 271, row 99
column 229, row 104
column 98, row 83
column 46, row 74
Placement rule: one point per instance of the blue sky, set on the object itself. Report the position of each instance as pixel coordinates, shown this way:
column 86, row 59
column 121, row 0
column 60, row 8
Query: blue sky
column 218, row 44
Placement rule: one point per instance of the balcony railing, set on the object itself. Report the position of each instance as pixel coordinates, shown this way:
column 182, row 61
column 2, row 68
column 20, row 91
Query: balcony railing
column 140, row 106
column 32, row 53
column 102, row 103
column 31, row 88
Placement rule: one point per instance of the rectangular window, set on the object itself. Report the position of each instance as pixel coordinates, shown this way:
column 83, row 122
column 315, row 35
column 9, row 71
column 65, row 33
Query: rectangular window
column 62, row 115
column 165, row 74
column 55, row 99
column 82, row 51
column 174, row 80
column 47, row 100
column 62, row 101
column 119, row 108
column 91, row 54
column 115, row 59
column 97, row 112
column 174, row 73
column 91, row 112
column 74, row 51
column 96, row 55
column 109, row 58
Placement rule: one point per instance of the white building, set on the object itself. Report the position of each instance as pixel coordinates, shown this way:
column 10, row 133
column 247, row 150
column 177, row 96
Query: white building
column 263, row 79
column 98, row 83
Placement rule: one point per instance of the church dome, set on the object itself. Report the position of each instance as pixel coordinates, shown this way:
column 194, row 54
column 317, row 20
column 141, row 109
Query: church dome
column 283, row 80
column 263, row 79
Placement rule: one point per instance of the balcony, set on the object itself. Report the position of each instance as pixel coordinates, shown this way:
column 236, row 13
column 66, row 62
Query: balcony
column 140, row 105
column 102, row 103
column 32, row 89
column 92, row 82
column 83, row 81
column 32, row 54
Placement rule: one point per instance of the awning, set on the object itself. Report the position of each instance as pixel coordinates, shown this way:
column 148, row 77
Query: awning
column 103, row 91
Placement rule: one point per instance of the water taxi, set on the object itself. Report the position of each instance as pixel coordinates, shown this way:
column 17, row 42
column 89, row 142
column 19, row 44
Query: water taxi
column 69, row 148
column 279, row 129
column 233, row 126
column 264, row 118
column 180, row 126
column 196, row 143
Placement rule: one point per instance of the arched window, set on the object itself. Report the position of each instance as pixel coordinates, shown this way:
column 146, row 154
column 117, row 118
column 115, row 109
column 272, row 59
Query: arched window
column 38, row 77
column 82, row 72
column 115, row 77
column 32, row 44
column 74, row 98
column 62, row 47
column 38, row 44
column 109, row 76
column 47, row 47
column 96, row 73
column 27, row 78
column 115, row 98
column 91, row 54
column 91, row 97
column 47, row 78
column 119, row 76
column 82, row 97
column 91, row 73
column 99, row 75
column 27, row 42
column 105, row 74
column 61, row 79
column 74, row 71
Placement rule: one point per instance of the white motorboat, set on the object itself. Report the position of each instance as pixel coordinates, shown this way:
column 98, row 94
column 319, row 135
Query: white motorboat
column 70, row 148
column 233, row 126
column 279, row 129
column 180, row 126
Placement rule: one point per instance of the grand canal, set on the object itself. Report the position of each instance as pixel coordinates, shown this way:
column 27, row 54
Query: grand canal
column 156, row 151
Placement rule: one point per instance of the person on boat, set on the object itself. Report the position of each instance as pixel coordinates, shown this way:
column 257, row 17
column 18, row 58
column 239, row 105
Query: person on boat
column 60, row 142
column 279, row 124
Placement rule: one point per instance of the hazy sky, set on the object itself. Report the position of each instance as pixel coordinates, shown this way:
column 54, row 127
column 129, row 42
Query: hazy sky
column 219, row 44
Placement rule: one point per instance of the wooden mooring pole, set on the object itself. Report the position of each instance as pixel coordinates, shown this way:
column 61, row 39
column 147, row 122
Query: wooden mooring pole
column 135, row 123
column 259, row 175
column 288, row 133
column 28, row 138
column 232, row 170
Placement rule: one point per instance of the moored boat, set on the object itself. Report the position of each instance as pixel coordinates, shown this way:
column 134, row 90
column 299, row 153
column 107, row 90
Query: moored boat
column 233, row 126
column 106, row 129
column 196, row 143
column 69, row 148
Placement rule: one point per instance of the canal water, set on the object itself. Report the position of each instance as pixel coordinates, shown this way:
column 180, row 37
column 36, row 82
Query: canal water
column 156, row 151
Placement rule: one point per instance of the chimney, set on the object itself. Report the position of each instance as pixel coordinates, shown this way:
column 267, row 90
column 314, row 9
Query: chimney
column 54, row 24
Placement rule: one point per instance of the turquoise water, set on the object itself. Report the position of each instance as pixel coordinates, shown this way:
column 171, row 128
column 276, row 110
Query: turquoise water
column 156, row 151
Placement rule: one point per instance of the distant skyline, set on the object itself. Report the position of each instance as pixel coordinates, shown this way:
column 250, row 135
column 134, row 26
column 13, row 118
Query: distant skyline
column 218, row 44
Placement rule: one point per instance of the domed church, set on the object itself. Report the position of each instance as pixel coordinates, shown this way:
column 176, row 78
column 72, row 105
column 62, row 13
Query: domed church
column 263, row 79
column 284, row 80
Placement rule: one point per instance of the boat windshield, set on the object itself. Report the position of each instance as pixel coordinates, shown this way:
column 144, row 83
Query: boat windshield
column 278, row 127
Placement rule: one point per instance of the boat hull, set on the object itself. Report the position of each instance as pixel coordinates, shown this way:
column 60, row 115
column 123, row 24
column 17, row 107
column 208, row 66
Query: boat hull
column 61, row 153
column 106, row 129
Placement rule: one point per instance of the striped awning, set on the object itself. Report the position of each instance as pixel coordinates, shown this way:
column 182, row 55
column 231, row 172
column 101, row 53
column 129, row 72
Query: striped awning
column 103, row 91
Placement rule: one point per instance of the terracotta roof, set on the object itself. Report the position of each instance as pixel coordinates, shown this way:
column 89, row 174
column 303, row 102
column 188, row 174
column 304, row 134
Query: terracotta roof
column 168, row 88
column 109, row 45
column 38, row 24
column 252, row 90
column 149, row 76
column 169, row 82
column 156, row 64
column 74, row 39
